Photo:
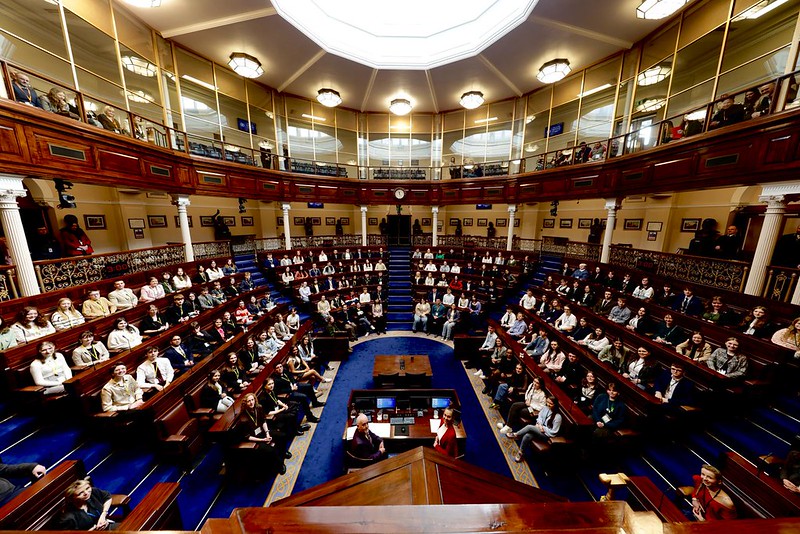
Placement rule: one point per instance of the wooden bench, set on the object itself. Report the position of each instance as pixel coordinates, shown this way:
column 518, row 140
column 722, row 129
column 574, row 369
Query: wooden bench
column 648, row 497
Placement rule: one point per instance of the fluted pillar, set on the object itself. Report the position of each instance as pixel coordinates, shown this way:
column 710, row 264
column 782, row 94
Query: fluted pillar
column 10, row 188
column 286, row 226
column 364, row 225
column 435, row 233
column 512, row 211
column 182, row 202
column 612, row 206
column 773, row 220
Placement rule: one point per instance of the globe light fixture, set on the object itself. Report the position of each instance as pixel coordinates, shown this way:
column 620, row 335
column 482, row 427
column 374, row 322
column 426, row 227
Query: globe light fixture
column 139, row 66
column 554, row 70
column 328, row 97
column 140, row 97
column 400, row 106
column 650, row 104
column 658, row 9
column 471, row 99
column 245, row 65
column 653, row 75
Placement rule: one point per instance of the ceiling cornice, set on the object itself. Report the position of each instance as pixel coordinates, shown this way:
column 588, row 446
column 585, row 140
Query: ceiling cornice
column 217, row 23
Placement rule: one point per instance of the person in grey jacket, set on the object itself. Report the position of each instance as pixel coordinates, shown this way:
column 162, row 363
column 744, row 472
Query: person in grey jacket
column 8, row 489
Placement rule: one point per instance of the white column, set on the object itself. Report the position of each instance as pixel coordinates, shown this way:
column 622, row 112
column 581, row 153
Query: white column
column 773, row 219
column 435, row 235
column 10, row 188
column 286, row 226
column 364, row 225
column 512, row 211
column 612, row 205
column 182, row 202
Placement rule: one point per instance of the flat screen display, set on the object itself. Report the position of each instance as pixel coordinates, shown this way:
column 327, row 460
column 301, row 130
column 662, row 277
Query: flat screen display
column 386, row 403
column 438, row 403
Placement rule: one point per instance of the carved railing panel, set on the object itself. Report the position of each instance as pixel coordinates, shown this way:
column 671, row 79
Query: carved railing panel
column 349, row 240
column 8, row 283
column 722, row 274
column 68, row 272
column 528, row 245
column 267, row 244
column 781, row 283
column 211, row 249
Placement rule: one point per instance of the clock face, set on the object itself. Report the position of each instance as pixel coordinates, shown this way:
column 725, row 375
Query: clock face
column 399, row 194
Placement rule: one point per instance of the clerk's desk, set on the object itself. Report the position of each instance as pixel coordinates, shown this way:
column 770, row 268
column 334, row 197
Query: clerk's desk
column 414, row 420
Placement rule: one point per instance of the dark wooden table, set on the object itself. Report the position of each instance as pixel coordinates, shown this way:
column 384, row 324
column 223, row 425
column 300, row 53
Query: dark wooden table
column 402, row 370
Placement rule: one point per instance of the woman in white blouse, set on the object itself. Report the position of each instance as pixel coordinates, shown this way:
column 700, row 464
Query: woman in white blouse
column 50, row 370
column 181, row 280
column 287, row 277
column 124, row 336
column 66, row 316
column 152, row 291
column 31, row 325
column 213, row 272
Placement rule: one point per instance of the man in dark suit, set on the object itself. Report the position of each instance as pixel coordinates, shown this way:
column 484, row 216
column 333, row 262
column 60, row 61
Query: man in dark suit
column 604, row 305
column 787, row 250
column 179, row 355
column 728, row 245
column 673, row 390
column 688, row 304
column 179, row 311
column 366, row 445
column 23, row 92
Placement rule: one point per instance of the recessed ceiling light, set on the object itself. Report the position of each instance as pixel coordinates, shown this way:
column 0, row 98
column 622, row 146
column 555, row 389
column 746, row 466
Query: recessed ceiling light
column 653, row 75
column 471, row 99
column 201, row 83
column 140, row 97
column 400, row 106
column 650, row 104
column 490, row 119
column 139, row 66
column 313, row 117
column 328, row 97
column 245, row 65
column 554, row 70
column 761, row 8
column 595, row 90
column 658, row 9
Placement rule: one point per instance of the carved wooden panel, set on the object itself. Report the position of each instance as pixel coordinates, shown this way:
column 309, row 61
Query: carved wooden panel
column 671, row 170
column 241, row 184
column 62, row 153
column 119, row 163
column 779, row 149
column 10, row 146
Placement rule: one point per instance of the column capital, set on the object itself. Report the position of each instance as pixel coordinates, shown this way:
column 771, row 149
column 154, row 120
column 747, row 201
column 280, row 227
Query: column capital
column 774, row 202
column 613, row 204
column 512, row 208
column 434, row 209
column 11, row 187
column 286, row 207
column 364, row 209
column 181, row 200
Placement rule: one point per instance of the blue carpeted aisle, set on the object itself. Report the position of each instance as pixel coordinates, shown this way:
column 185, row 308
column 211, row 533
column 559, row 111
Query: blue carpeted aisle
column 324, row 460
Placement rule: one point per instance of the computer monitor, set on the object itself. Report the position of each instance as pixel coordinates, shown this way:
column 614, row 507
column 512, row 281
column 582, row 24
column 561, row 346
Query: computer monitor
column 386, row 403
column 419, row 403
column 363, row 403
column 438, row 403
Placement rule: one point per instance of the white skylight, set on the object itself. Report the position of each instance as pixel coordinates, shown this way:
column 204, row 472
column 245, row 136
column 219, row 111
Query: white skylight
column 414, row 34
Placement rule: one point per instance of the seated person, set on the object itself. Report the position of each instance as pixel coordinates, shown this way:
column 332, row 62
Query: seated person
column 789, row 337
column 301, row 394
column 89, row 352
column 96, row 306
column 756, row 323
column 50, row 370
column 519, row 327
column 181, row 280
column 615, row 354
column 525, row 412
column 255, row 429
column 152, row 291
column 122, row 297
column 728, row 361
column 231, row 290
column 121, row 392
column 179, row 311
column 124, row 336
column 445, row 441
column 153, row 323
column 208, row 301
column 8, row 490
column 282, row 329
column 214, row 394
column 242, row 315
column 421, row 312
column 790, row 472
column 366, row 445
column 179, row 354
column 695, row 348
column 31, row 325
column 300, row 370
column 673, row 389
column 85, row 508
column 709, row 501
column 66, row 316
column 234, row 376
column 642, row 371
column 281, row 416
column 548, row 424
column 620, row 313
column 668, row 333
column 608, row 412
column 154, row 373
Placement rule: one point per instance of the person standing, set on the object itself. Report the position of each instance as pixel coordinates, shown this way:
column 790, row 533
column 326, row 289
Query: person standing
column 445, row 441
column 75, row 240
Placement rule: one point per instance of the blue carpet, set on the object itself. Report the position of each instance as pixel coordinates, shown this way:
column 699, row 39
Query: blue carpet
column 199, row 488
column 15, row 428
column 123, row 470
column 46, row 446
column 324, row 460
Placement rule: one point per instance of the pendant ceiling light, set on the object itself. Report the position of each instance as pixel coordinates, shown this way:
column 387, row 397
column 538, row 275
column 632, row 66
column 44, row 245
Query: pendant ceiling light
column 329, row 98
column 471, row 99
column 245, row 65
column 658, row 9
column 400, row 106
column 554, row 70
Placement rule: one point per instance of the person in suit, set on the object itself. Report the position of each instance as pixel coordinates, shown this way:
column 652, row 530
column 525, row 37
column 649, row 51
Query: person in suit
column 23, row 92
column 366, row 445
column 109, row 121
column 603, row 306
column 787, row 250
column 179, row 311
column 688, row 304
column 179, row 354
column 727, row 246
column 673, row 389
column 17, row 471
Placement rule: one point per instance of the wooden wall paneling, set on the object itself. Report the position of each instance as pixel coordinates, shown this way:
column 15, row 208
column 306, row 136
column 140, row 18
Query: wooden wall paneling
column 12, row 142
column 119, row 163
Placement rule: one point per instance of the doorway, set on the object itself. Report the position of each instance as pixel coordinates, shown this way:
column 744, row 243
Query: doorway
column 398, row 231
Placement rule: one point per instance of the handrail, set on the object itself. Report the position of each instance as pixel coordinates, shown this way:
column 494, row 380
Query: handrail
column 615, row 146
column 8, row 282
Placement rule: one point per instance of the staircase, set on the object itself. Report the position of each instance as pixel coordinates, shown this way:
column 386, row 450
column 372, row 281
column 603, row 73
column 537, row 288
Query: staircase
column 400, row 311
column 249, row 263
column 548, row 264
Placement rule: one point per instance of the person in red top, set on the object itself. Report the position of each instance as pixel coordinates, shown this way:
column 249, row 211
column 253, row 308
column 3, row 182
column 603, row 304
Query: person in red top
column 445, row 441
column 709, row 500
column 75, row 240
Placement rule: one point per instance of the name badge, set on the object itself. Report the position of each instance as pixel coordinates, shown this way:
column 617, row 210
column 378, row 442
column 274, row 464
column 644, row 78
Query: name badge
column 606, row 419
column 258, row 431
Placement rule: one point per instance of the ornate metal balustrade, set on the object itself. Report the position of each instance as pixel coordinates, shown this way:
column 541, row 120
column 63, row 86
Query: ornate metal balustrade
column 781, row 283
column 351, row 240
column 530, row 246
column 571, row 249
column 8, row 283
column 68, row 272
column 722, row 274
column 211, row 249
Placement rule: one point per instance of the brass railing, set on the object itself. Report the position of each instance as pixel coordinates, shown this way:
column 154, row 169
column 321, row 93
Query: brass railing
column 268, row 244
column 533, row 246
column 781, row 283
column 350, row 240
column 714, row 273
column 8, row 283
column 68, row 272
column 571, row 249
column 211, row 249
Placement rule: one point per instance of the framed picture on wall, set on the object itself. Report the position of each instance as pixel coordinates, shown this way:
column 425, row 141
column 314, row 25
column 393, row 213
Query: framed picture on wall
column 426, row 221
column 652, row 236
column 632, row 224
column 207, row 220
column 280, row 221
column 654, row 226
column 178, row 221
column 373, row 221
column 549, row 223
column 156, row 221
column 133, row 224
column 96, row 222
column 330, row 221
column 316, row 221
column 516, row 223
column 344, row 220
column 439, row 226
column 299, row 221
column 247, row 221
column 454, row 221
column 584, row 223
column 229, row 221
column 565, row 223
column 138, row 233
column 690, row 225
column 501, row 223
